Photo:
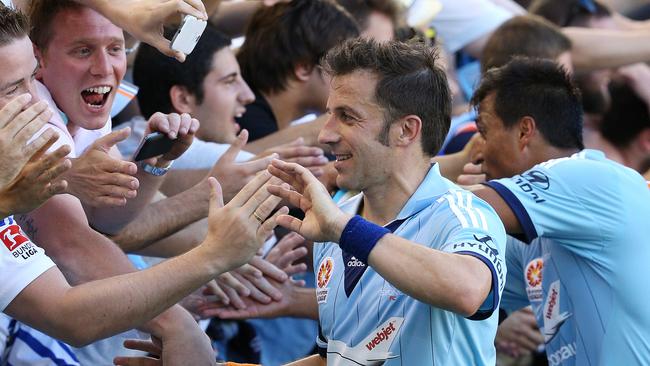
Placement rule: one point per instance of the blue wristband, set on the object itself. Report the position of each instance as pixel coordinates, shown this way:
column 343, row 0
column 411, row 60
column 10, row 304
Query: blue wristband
column 360, row 236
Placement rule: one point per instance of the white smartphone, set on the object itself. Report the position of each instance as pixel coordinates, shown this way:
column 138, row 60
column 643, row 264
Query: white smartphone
column 188, row 34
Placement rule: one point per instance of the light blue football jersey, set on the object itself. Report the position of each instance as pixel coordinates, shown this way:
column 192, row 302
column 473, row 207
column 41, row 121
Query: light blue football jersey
column 371, row 322
column 586, row 270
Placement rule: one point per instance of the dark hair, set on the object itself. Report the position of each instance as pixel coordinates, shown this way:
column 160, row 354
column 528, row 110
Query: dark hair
column 42, row 14
column 528, row 36
column 361, row 10
column 540, row 89
column 627, row 116
column 409, row 82
column 280, row 37
column 14, row 25
column 565, row 13
column 155, row 73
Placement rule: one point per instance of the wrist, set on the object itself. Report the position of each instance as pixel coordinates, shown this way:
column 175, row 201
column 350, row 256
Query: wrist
column 168, row 323
column 360, row 237
column 340, row 222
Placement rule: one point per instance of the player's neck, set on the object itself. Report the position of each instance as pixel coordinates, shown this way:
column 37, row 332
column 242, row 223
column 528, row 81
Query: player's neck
column 382, row 203
column 551, row 152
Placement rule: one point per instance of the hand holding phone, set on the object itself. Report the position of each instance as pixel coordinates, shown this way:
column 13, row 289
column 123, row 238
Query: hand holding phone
column 188, row 34
column 154, row 144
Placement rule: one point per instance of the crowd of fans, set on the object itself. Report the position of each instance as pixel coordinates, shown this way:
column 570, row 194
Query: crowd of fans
column 350, row 182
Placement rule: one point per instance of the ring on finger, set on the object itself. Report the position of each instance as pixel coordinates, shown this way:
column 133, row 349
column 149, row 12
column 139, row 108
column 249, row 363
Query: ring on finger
column 258, row 218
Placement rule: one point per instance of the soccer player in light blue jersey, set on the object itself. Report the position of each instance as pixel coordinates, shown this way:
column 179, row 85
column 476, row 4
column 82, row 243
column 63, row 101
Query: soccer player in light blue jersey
column 585, row 217
column 410, row 271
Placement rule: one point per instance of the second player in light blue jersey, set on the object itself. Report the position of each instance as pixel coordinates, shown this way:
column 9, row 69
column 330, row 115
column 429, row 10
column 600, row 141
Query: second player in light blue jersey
column 584, row 217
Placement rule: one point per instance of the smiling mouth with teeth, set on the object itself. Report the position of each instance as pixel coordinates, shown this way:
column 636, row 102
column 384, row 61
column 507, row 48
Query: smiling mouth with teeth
column 343, row 157
column 96, row 96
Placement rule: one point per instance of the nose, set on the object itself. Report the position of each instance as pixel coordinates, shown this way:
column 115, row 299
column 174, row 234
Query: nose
column 101, row 64
column 328, row 134
column 33, row 91
column 246, row 96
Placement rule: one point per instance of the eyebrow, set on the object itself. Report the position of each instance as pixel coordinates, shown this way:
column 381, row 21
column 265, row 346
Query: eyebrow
column 232, row 74
column 14, row 83
column 93, row 41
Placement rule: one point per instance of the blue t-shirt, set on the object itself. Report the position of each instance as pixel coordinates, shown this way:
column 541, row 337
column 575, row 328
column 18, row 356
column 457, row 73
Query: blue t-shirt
column 586, row 270
column 364, row 320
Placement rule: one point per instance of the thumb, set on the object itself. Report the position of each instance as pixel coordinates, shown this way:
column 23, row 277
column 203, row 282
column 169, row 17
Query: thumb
column 234, row 149
column 107, row 142
column 216, row 194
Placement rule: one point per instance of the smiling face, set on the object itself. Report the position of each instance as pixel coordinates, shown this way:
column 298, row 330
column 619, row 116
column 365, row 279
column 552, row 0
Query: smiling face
column 83, row 65
column 352, row 131
column 18, row 68
column 225, row 95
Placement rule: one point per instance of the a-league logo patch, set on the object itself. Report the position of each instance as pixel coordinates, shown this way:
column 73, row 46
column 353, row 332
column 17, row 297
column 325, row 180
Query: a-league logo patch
column 533, row 275
column 323, row 278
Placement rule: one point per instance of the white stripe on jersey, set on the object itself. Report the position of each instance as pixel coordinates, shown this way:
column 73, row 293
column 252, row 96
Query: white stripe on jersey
column 467, row 207
column 462, row 210
column 456, row 211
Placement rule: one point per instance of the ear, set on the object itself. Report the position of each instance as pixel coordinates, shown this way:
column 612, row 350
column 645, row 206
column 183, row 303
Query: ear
column 644, row 140
column 527, row 131
column 303, row 72
column 182, row 100
column 40, row 59
column 406, row 130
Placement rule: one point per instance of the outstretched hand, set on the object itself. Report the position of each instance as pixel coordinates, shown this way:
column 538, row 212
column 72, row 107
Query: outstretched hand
column 323, row 221
column 237, row 230
column 144, row 19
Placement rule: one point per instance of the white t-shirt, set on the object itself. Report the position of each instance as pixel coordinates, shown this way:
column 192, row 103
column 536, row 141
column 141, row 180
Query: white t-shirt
column 7, row 3
column 460, row 22
column 200, row 155
column 21, row 262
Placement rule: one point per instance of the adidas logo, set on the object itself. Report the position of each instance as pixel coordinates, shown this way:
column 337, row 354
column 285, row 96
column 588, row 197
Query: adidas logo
column 354, row 262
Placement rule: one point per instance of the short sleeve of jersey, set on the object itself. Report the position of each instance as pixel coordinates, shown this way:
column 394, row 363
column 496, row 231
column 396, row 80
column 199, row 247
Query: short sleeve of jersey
column 473, row 228
column 514, row 294
column 558, row 199
column 21, row 262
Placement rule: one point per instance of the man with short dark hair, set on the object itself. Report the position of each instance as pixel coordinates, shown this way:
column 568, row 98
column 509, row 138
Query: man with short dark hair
column 427, row 293
column 583, row 215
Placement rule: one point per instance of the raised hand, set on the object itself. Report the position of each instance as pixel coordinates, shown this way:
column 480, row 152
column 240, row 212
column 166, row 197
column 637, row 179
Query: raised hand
column 178, row 127
column 144, row 19
column 18, row 125
column 310, row 157
column 237, row 230
column 232, row 175
column 35, row 184
column 99, row 179
column 323, row 221
column 519, row 335
column 286, row 252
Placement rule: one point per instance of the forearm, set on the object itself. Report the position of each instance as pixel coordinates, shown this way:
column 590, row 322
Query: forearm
column 314, row 360
column 143, row 296
column 111, row 220
column 451, row 166
column 164, row 217
column 304, row 304
column 616, row 47
column 458, row 283
column 308, row 131
column 180, row 180
column 178, row 243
